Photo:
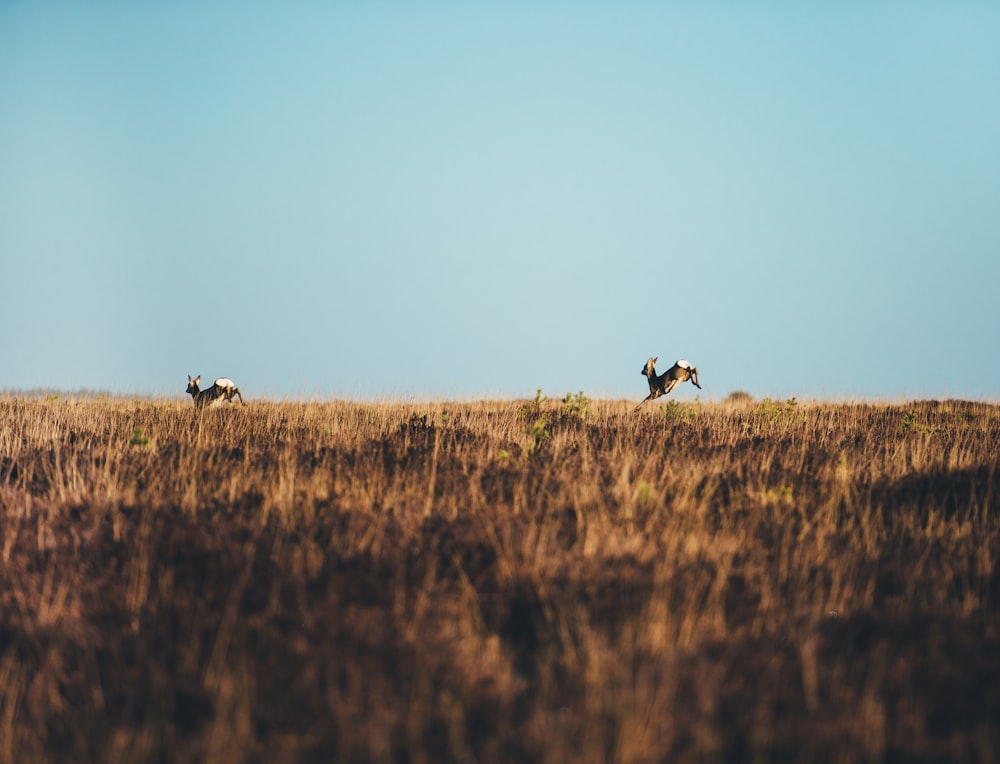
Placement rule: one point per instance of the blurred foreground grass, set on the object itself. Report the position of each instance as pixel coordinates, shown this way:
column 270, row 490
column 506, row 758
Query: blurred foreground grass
column 499, row 581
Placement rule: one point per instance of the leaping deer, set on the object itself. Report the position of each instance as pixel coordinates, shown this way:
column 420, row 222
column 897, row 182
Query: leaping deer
column 681, row 371
column 222, row 388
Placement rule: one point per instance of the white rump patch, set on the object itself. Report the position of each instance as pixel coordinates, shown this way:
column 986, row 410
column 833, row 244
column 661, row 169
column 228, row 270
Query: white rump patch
column 224, row 382
column 682, row 363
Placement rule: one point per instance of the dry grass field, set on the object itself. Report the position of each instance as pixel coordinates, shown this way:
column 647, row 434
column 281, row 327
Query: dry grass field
column 531, row 581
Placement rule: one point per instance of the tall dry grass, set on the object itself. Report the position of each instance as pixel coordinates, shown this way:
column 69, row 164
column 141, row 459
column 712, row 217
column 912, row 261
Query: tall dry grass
column 499, row 581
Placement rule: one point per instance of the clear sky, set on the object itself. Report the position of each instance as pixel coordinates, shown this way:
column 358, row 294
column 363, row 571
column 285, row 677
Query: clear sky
column 451, row 199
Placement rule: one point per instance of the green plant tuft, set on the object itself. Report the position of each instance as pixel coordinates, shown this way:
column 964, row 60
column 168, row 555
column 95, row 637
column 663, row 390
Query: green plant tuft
column 138, row 439
column 577, row 406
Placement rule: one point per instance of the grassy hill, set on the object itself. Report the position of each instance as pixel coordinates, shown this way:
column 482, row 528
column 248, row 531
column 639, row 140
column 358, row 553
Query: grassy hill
column 499, row 581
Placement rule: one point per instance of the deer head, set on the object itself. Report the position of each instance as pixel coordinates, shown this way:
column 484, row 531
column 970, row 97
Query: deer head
column 649, row 370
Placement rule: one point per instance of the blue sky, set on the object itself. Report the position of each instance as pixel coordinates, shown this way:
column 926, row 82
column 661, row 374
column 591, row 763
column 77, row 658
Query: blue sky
column 471, row 200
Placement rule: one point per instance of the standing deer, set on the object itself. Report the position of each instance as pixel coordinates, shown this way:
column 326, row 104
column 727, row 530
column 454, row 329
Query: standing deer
column 223, row 388
column 681, row 371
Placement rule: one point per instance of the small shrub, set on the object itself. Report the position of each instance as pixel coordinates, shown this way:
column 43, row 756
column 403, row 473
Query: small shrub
column 138, row 439
column 538, row 431
column 769, row 410
column 575, row 406
column 534, row 409
column 773, row 411
column 910, row 423
column 676, row 410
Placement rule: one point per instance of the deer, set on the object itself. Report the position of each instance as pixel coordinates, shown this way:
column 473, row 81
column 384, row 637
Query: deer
column 223, row 388
column 681, row 371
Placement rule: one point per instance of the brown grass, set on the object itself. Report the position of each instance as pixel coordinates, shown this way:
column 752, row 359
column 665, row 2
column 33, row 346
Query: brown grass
column 499, row 581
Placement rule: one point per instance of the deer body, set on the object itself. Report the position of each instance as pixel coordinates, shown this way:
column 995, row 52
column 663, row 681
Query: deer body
column 681, row 371
column 223, row 388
